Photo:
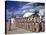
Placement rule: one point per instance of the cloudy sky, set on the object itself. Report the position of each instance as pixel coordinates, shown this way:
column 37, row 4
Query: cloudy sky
column 22, row 9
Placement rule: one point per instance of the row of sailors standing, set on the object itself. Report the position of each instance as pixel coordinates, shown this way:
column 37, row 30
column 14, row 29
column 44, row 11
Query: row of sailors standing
column 37, row 23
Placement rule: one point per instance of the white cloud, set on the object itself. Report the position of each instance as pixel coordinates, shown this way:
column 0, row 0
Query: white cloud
column 27, row 14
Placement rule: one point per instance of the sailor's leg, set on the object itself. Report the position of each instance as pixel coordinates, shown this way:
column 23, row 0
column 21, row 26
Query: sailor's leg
column 10, row 26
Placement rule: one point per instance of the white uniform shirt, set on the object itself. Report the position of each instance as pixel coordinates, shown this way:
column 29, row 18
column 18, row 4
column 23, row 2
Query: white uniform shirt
column 12, row 20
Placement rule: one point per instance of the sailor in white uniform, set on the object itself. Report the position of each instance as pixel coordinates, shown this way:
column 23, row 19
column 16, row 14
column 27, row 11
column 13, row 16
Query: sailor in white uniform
column 12, row 21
